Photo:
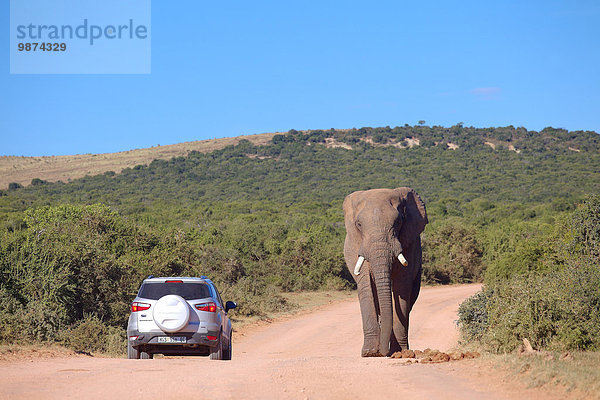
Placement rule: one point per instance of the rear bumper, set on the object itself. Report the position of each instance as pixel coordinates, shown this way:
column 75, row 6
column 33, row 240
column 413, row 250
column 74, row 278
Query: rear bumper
column 195, row 342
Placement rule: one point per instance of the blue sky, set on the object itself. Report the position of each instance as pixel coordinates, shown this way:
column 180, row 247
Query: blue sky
column 231, row 68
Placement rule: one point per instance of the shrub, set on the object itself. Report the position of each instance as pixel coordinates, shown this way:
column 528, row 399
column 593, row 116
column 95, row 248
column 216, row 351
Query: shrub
column 37, row 321
column 557, row 310
column 37, row 182
column 584, row 238
column 518, row 248
column 90, row 334
column 254, row 297
column 473, row 316
column 452, row 253
column 556, row 307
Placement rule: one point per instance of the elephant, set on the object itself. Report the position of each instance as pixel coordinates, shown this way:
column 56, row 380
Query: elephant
column 382, row 250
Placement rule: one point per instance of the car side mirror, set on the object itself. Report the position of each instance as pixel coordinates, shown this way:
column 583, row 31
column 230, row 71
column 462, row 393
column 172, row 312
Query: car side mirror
column 230, row 305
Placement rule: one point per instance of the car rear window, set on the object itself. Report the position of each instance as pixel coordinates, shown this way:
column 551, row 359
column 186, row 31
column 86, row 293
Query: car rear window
column 187, row 290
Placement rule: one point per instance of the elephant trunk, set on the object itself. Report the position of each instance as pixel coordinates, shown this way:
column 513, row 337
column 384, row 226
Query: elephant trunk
column 381, row 275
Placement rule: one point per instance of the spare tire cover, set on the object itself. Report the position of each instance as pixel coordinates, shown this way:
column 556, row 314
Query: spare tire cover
column 171, row 313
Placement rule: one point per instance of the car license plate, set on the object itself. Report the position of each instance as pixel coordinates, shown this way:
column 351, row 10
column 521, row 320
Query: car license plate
column 171, row 339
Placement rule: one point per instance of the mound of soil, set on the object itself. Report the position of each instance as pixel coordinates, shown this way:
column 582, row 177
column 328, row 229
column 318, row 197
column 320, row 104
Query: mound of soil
column 433, row 356
column 404, row 354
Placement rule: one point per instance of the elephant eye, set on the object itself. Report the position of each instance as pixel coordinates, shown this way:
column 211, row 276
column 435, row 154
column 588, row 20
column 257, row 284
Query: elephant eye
column 358, row 225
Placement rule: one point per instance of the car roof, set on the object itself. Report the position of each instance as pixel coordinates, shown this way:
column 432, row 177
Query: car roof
column 187, row 279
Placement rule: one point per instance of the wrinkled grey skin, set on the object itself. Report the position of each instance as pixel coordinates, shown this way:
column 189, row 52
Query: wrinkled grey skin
column 380, row 224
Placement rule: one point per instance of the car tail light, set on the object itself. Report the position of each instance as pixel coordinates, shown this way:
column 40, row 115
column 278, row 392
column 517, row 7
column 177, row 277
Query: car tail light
column 211, row 337
column 209, row 307
column 173, row 281
column 137, row 306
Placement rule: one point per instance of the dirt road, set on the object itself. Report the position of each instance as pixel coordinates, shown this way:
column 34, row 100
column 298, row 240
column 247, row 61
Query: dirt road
column 315, row 355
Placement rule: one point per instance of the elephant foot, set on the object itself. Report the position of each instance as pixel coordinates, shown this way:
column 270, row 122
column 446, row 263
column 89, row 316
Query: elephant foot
column 398, row 345
column 368, row 351
column 371, row 347
column 371, row 353
column 394, row 349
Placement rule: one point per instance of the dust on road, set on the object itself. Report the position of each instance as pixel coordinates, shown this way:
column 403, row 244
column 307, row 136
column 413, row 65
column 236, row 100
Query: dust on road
column 311, row 356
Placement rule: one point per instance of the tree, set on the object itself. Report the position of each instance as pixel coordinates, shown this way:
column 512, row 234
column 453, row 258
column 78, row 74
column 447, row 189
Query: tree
column 37, row 181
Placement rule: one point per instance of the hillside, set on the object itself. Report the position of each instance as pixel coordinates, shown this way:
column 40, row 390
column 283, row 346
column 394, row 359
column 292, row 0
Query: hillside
column 22, row 170
column 447, row 166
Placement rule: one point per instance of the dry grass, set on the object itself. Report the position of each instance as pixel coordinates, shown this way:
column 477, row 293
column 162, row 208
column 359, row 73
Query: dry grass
column 17, row 352
column 575, row 373
column 64, row 168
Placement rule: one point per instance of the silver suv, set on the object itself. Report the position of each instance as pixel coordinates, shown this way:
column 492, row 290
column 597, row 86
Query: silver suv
column 179, row 316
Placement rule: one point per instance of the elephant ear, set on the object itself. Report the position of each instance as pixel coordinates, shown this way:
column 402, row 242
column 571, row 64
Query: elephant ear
column 350, row 207
column 415, row 216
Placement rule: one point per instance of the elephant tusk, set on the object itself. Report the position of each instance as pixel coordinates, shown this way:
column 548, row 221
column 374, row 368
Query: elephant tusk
column 402, row 260
column 359, row 264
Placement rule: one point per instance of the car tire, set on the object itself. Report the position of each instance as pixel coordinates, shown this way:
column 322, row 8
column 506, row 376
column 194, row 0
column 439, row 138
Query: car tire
column 216, row 353
column 229, row 349
column 132, row 352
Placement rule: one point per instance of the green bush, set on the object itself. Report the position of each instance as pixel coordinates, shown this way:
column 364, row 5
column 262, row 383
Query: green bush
column 90, row 334
column 518, row 248
column 558, row 310
column 584, row 237
column 254, row 297
column 38, row 320
column 452, row 253
column 556, row 306
column 473, row 315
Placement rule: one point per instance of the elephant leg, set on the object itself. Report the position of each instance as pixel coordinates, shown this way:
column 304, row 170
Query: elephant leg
column 369, row 316
column 400, row 330
column 394, row 344
column 402, row 304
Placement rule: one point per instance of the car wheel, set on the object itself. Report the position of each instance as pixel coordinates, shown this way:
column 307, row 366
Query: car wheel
column 132, row 352
column 229, row 350
column 146, row 356
column 216, row 353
